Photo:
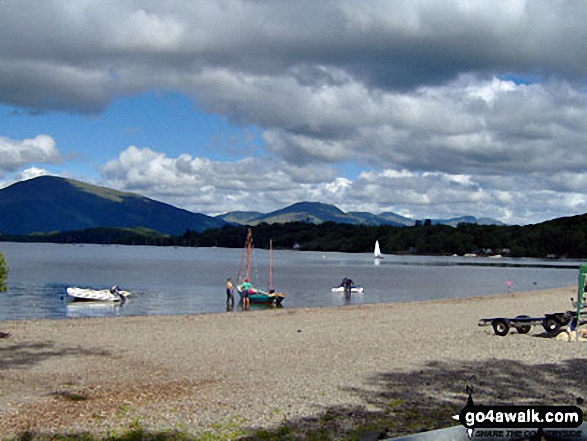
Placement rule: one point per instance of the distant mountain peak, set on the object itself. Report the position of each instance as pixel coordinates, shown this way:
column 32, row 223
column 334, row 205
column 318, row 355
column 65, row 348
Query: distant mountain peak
column 311, row 212
column 50, row 203
column 313, row 206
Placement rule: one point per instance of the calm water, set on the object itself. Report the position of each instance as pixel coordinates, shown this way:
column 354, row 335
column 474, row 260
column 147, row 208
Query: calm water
column 191, row 280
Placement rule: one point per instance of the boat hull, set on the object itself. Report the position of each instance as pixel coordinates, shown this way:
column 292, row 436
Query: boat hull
column 262, row 297
column 354, row 289
column 103, row 295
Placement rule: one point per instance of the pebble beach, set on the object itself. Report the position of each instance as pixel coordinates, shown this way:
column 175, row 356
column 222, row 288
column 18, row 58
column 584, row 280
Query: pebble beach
column 406, row 364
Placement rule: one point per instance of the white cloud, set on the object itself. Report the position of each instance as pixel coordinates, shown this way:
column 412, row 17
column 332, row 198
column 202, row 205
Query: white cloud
column 203, row 185
column 32, row 172
column 15, row 154
column 418, row 91
column 257, row 184
column 28, row 173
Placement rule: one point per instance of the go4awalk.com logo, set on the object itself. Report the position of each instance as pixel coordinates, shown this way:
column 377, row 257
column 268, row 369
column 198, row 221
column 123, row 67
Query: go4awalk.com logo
column 511, row 420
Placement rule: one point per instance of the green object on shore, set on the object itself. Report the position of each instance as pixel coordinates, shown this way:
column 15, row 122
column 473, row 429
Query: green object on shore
column 581, row 291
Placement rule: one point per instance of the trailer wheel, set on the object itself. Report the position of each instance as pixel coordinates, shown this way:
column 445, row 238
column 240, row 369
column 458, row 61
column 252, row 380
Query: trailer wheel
column 523, row 329
column 563, row 318
column 501, row 327
column 550, row 324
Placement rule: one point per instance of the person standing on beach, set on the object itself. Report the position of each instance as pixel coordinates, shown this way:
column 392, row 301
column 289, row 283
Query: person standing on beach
column 510, row 284
column 229, row 292
column 247, row 288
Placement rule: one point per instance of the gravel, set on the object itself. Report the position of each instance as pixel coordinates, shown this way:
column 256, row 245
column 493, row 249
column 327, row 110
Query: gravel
column 259, row 369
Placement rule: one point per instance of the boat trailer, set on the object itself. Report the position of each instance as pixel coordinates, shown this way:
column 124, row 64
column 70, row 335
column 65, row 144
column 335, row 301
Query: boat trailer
column 550, row 322
column 523, row 323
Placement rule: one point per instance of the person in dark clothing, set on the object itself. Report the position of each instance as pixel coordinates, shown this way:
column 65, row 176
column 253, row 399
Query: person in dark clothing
column 347, row 284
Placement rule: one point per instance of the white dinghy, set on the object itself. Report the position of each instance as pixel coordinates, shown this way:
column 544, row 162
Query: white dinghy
column 113, row 294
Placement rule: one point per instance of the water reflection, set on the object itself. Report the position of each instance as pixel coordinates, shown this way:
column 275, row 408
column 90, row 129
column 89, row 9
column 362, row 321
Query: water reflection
column 77, row 309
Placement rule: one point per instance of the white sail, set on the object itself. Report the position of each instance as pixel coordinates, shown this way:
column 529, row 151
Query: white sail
column 377, row 253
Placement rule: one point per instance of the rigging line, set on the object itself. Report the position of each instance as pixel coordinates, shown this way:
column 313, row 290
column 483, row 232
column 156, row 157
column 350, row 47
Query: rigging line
column 240, row 267
column 249, row 245
column 254, row 265
column 270, row 265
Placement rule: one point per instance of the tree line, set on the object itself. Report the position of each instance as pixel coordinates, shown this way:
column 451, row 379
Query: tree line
column 564, row 237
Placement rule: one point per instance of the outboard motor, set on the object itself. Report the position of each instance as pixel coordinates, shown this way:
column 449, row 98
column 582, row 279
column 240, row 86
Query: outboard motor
column 115, row 290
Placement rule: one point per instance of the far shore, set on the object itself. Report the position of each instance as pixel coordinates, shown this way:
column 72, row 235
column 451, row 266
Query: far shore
column 404, row 366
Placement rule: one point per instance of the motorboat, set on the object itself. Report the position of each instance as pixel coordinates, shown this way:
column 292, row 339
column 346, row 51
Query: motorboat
column 113, row 294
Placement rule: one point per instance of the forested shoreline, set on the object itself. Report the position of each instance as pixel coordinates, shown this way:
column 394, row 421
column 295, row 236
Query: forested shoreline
column 560, row 238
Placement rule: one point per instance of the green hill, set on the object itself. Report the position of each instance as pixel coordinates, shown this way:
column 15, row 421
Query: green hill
column 239, row 217
column 308, row 212
column 48, row 203
column 365, row 218
column 317, row 213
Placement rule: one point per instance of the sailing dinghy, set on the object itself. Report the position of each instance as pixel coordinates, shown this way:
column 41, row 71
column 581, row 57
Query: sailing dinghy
column 377, row 252
column 256, row 295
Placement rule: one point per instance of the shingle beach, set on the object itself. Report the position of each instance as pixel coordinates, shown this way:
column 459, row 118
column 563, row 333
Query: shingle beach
column 296, row 367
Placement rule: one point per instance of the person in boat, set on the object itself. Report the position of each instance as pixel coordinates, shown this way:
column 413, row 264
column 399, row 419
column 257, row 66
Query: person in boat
column 347, row 284
column 229, row 292
column 115, row 290
column 247, row 288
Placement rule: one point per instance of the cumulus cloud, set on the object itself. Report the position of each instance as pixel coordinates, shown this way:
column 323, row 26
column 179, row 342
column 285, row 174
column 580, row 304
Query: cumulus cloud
column 32, row 172
column 203, row 185
column 91, row 51
column 15, row 154
column 213, row 187
column 455, row 106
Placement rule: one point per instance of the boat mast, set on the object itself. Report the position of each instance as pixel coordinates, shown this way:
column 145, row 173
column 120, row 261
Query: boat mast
column 249, row 243
column 270, row 264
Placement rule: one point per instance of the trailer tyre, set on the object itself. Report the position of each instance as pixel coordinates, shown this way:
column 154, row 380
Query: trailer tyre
column 500, row 327
column 523, row 329
column 551, row 324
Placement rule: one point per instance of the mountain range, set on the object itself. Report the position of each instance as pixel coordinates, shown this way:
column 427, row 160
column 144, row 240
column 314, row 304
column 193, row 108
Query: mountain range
column 317, row 212
column 49, row 203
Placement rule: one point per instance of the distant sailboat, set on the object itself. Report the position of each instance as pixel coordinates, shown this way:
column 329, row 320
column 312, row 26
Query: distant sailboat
column 377, row 253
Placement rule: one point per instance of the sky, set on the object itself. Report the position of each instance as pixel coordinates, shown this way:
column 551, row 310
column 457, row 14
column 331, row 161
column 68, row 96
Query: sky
column 425, row 108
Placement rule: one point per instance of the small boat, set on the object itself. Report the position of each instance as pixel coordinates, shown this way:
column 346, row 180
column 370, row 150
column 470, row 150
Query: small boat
column 113, row 294
column 263, row 297
column 354, row 289
column 377, row 252
column 269, row 297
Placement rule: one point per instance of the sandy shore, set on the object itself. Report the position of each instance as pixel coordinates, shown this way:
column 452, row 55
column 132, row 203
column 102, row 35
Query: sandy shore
column 409, row 362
